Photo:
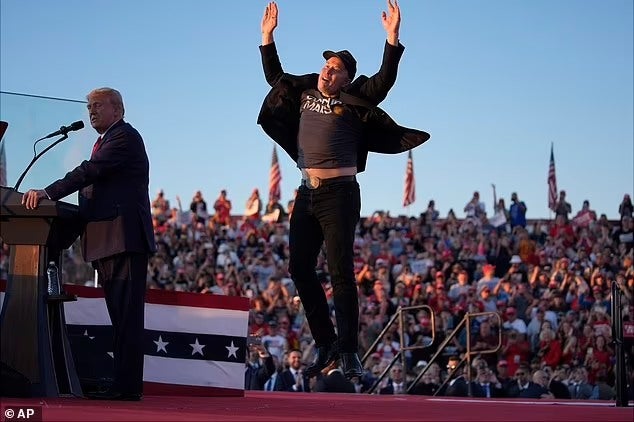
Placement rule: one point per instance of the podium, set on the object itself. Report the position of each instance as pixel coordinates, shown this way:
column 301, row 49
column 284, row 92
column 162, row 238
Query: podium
column 34, row 350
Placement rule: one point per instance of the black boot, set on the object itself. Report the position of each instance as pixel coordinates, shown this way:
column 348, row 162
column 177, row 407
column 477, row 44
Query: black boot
column 351, row 365
column 325, row 356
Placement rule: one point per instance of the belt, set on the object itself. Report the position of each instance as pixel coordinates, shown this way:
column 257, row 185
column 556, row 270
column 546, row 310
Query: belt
column 315, row 182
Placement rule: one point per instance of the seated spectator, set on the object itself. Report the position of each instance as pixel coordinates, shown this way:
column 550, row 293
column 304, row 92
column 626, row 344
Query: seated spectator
column 486, row 384
column 579, row 387
column 396, row 382
column 601, row 390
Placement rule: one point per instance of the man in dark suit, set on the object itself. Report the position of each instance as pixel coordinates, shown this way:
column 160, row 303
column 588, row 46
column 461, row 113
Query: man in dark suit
column 396, row 384
column 117, row 238
column 293, row 378
column 327, row 123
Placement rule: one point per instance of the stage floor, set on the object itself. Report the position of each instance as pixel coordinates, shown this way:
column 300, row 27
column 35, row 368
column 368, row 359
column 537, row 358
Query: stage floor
column 280, row 406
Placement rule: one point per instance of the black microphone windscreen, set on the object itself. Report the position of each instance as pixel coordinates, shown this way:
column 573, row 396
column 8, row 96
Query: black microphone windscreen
column 77, row 125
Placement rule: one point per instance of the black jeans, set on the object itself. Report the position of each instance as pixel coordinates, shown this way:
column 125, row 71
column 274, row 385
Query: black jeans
column 329, row 213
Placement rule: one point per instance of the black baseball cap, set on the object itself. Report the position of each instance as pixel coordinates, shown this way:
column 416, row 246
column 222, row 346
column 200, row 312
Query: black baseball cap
column 348, row 60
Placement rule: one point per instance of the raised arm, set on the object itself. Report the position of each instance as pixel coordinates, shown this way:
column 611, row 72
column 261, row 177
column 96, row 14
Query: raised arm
column 270, row 60
column 375, row 88
column 269, row 23
column 392, row 22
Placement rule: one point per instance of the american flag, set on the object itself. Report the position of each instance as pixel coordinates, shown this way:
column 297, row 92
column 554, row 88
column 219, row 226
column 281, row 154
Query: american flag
column 195, row 344
column 409, row 196
column 552, row 181
column 275, row 177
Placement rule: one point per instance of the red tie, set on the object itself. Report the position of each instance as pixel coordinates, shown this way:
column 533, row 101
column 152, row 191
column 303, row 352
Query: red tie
column 96, row 146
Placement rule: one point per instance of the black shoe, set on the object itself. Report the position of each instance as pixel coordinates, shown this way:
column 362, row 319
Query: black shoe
column 351, row 365
column 325, row 356
column 114, row 395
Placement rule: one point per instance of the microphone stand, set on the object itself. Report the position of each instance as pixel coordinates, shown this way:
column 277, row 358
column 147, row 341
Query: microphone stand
column 17, row 185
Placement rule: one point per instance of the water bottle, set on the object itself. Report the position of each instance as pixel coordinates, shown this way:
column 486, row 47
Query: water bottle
column 53, row 279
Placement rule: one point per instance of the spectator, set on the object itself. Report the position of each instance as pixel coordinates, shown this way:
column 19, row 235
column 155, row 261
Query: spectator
column 579, row 387
column 293, row 378
column 562, row 208
column 260, row 367
column 253, row 206
column 275, row 343
column 475, row 208
column 222, row 208
column 626, row 208
column 198, row 208
column 585, row 216
column 517, row 212
column 396, row 383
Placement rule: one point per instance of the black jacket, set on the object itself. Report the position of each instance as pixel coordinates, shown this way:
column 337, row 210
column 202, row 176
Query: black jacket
column 114, row 202
column 280, row 112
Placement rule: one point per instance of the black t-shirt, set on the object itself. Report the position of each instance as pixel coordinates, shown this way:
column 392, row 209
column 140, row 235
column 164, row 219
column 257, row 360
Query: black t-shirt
column 329, row 132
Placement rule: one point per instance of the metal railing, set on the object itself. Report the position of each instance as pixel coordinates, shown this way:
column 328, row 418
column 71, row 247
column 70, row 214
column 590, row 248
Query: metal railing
column 465, row 323
column 399, row 316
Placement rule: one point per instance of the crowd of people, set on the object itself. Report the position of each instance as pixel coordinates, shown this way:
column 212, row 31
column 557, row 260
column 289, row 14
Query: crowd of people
column 545, row 285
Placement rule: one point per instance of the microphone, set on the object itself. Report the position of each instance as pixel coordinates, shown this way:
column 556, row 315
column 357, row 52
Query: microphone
column 62, row 131
column 65, row 129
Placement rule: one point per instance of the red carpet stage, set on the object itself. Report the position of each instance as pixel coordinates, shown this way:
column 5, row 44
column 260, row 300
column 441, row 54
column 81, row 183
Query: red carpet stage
column 279, row 406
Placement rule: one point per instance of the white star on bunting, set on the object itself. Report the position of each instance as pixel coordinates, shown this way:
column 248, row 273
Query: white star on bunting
column 161, row 345
column 86, row 334
column 232, row 350
column 197, row 348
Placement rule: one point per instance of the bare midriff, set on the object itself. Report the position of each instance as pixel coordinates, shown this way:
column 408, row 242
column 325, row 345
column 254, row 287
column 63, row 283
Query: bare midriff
column 328, row 173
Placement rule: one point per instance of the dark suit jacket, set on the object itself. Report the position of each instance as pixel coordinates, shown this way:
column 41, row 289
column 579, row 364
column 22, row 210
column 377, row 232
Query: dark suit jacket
column 114, row 201
column 582, row 393
column 256, row 376
column 334, row 382
column 389, row 388
column 477, row 390
column 285, row 382
column 280, row 112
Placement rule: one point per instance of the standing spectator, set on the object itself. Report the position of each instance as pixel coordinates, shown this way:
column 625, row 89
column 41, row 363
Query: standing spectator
column 253, row 206
column 562, row 208
column 585, row 216
column 160, row 208
column 198, row 208
column 275, row 343
column 260, row 367
column 222, row 208
column 475, row 208
column 517, row 212
column 626, row 208
column 118, row 236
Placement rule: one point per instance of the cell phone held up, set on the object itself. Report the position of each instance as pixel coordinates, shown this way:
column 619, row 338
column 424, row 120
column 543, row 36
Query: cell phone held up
column 254, row 340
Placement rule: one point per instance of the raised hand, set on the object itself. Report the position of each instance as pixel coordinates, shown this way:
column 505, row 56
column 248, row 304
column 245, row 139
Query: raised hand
column 269, row 23
column 392, row 21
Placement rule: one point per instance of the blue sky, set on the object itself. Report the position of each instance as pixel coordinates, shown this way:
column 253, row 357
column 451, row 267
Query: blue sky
column 495, row 82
